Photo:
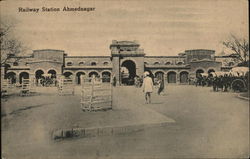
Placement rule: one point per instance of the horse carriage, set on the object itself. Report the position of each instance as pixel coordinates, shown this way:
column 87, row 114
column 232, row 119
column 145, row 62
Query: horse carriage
column 237, row 78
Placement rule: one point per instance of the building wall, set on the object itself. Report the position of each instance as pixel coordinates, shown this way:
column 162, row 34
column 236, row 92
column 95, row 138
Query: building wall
column 188, row 62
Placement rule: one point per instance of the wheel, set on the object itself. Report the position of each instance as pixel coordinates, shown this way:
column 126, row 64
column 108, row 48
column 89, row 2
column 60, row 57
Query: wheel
column 238, row 85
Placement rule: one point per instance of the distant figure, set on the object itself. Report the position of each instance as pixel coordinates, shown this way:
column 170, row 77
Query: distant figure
column 114, row 81
column 147, row 87
column 161, row 86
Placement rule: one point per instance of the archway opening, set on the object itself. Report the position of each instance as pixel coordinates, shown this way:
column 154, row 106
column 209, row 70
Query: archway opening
column 159, row 76
column 51, row 80
column 23, row 75
column 68, row 74
column 53, row 73
column 106, row 76
column 171, row 77
column 39, row 77
column 78, row 77
column 184, row 77
column 128, row 73
column 198, row 73
column 11, row 76
column 93, row 73
column 210, row 71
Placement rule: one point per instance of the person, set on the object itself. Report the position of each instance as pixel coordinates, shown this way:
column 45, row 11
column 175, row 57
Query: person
column 161, row 86
column 114, row 81
column 147, row 87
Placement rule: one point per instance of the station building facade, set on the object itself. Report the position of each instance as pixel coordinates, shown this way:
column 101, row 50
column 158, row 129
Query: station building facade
column 124, row 54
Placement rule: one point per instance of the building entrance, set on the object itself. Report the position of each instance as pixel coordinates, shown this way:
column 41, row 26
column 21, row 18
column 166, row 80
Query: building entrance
column 128, row 72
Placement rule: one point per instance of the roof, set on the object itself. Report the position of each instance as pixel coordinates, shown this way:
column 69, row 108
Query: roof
column 87, row 56
column 48, row 50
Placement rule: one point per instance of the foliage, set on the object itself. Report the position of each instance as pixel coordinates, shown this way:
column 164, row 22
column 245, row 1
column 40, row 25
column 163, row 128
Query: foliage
column 239, row 46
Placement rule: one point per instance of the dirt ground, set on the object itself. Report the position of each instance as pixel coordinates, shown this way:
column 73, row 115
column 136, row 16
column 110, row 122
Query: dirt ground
column 207, row 124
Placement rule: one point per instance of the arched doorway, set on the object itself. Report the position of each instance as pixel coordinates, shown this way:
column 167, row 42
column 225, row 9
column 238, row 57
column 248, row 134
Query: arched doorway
column 106, row 76
column 210, row 70
column 184, row 77
column 39, row 76
column 78, row 77
column 159, row 75
column 198, row 73
column 171, row 77
column 67, row 74
column 128, row 78
column 93, row 73
column 11, row 76
column 53, row 73
column 52, row 78
column 23, row 75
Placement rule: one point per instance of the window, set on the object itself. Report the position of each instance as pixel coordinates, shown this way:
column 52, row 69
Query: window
column 69, row 63
column 93, row 63
column 168, row 63
column 15, row 63
column 81, row 63
column 105, row 63
column 179, row 63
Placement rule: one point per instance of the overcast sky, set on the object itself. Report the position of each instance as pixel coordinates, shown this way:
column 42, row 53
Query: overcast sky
column 162, row 27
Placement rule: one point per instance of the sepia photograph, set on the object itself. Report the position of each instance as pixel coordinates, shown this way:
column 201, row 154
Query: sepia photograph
column 124, row 79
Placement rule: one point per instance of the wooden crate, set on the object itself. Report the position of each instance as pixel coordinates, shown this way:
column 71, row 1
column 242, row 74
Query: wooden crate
column 66, row 86
column 95, row 95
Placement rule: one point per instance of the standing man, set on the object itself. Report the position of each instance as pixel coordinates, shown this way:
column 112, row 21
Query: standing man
column 147, row 87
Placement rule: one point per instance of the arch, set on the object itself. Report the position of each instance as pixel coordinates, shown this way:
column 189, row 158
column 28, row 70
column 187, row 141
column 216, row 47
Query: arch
column 106, row 75
column 68, row 74
column 180, row 63
column 145, row 63
column 93, row 63
column 81, row 63
column 11, row 76
column 91, row 73
column 78, row 76
column 159, row 75
column 52, row 72
column 171, row 76
column 39, row 73
column 105, row 63
column 128, row 78
column 198, row 72
column 69, row 63
column 168, row 63
column 157, row 63
column 210, row 70
column 23, row 75
column 184, row 77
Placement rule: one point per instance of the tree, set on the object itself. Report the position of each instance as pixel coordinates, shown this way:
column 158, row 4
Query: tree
column 239, row 46
column 10, row 45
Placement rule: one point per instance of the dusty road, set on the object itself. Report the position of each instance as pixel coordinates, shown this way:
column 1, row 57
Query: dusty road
column 208, row 124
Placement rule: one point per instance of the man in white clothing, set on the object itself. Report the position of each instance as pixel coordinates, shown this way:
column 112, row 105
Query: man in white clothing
column 147, row 87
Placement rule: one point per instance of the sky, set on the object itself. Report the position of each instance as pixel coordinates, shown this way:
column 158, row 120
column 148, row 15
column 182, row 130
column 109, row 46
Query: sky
column 162, row 27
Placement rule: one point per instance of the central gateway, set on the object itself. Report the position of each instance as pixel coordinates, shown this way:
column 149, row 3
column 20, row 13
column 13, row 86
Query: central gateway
column 128, row 61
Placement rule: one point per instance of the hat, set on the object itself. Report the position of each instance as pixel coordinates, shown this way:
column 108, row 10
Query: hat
column 146, row 73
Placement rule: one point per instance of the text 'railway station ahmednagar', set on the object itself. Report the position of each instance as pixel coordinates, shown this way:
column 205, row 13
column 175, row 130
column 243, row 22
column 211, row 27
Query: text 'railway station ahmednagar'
column 127, row 61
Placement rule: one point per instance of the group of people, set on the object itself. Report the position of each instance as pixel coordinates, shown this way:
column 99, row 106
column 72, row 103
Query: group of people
column 148, row 85
column 221, row 82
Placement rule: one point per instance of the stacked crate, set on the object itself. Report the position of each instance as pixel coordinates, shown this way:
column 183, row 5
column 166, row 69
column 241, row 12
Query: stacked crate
column 25, row 89
column 5, row 87
column 66, row 86
column 95, row 95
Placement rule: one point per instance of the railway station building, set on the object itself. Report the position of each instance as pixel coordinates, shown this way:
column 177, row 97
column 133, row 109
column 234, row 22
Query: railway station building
column 123, row 54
